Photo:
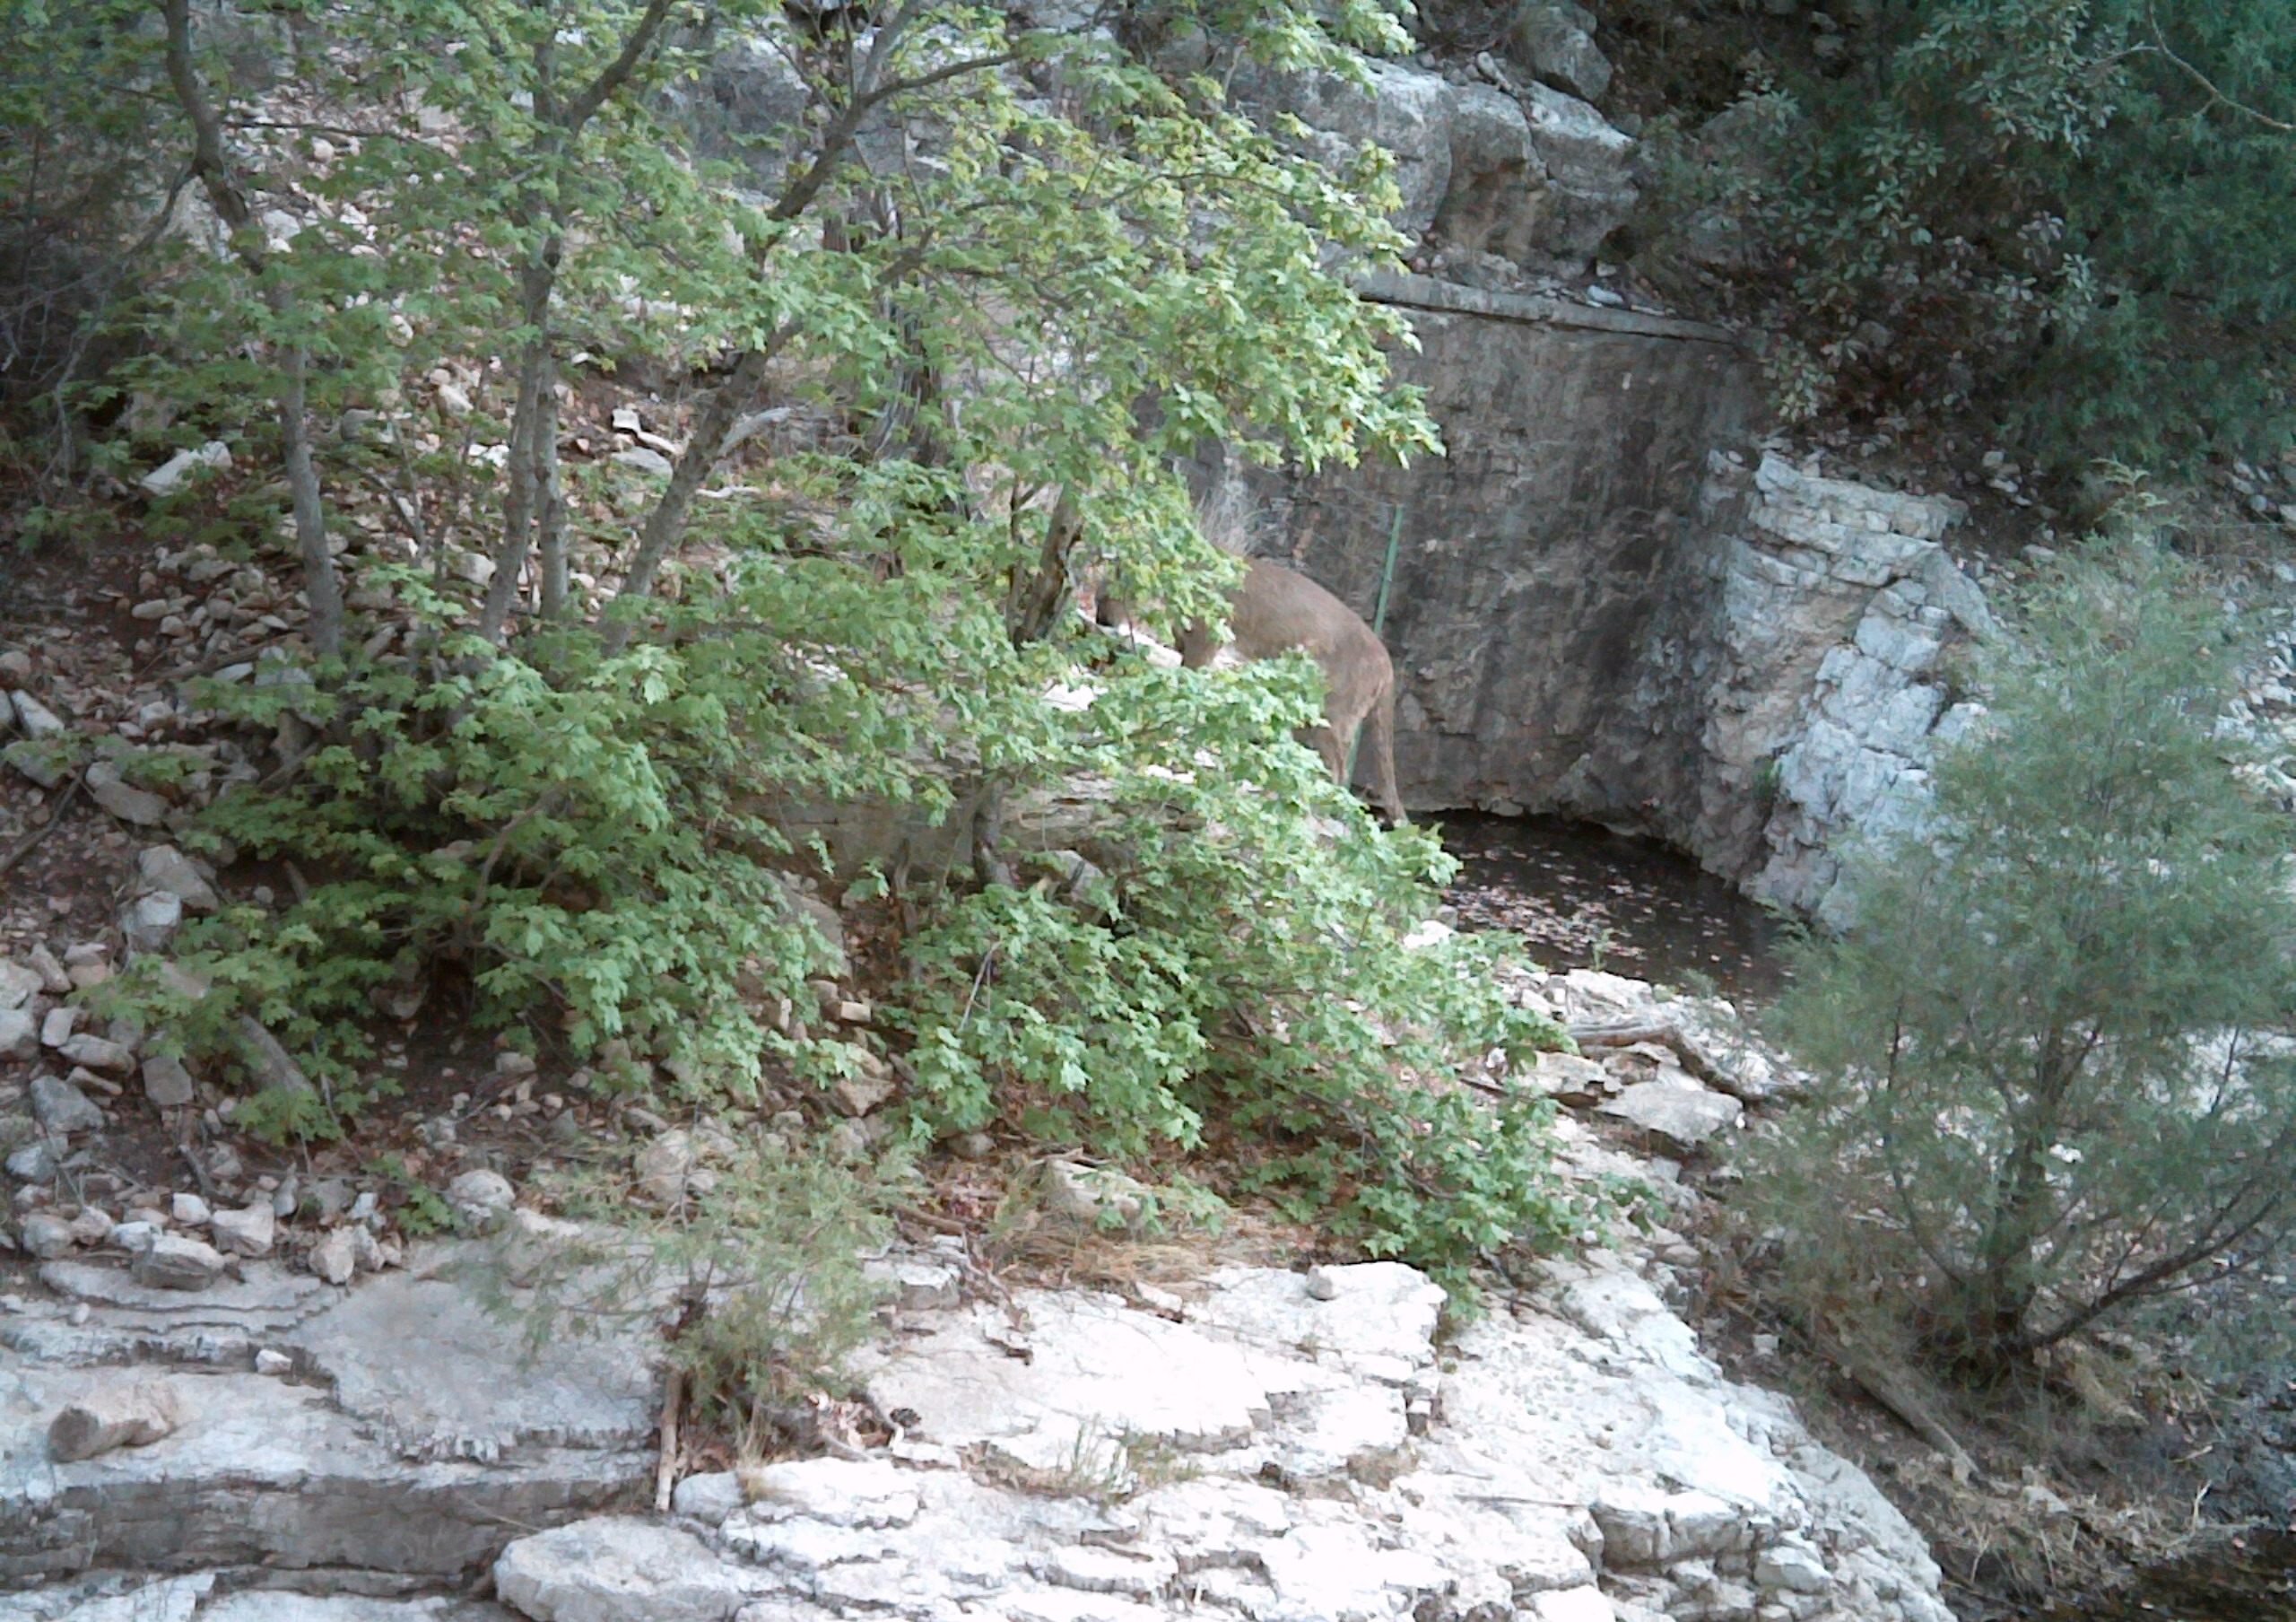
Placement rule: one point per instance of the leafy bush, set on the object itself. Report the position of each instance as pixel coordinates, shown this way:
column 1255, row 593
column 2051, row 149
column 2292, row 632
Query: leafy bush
column 2055, row 1043
column 1237, row 969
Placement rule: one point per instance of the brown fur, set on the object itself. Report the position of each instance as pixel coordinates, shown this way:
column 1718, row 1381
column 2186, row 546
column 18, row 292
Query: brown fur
column 1279, row 609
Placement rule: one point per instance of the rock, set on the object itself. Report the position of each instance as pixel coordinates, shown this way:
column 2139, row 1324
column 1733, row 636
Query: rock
column 150, row 921
column 336, row 1257
column 1586, row 1604
column 123, row 1413
column 1403, row 108
column 175, row 1262
column 273, row 1363
column 662, row 1166
column 18, row 1034
column 43, row 1237
column 53, row 978
column 61, row 1107
column 1092, row 1197
column 645, row 459
column 135, row 1236
column 1589, row 167
column 614, row 1569
column 165, row 868
column 709, row 1497
column 1556, row 43
column 55, row 1027
column 481, row 1197
column 1679, row 1113
column 274, row 1067
column 166, row 1082
column 188, row 1210
column 247, row 1232
column 857, row 1095
column 1570, row 1076
column 1496, row 194
column 92, row 1225
column 19, row 984
column 36, row 719
column 842, row 1491
column 1793, row 1566
column 99, row 1053
column 123, row 798
column 37, row 1161
column 171, row 474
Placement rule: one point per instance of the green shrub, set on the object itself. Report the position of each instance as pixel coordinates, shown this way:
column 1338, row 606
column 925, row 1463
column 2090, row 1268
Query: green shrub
column 2055, row 1041
column 1240, row 974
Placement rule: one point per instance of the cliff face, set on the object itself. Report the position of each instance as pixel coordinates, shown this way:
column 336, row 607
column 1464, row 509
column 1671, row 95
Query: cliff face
column 1605, row 603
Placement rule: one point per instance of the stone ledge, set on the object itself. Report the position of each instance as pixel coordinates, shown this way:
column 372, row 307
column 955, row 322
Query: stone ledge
column 1426, row 292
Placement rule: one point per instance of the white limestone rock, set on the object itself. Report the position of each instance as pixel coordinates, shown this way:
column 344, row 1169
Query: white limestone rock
column 616, row 1569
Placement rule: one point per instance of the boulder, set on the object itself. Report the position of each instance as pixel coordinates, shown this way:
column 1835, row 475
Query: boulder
column 1589, row 167
column 1497, row 189
column 1405, row 110
column 121, row 1413
column 150, row 921
column 19, row 984
column 99, row 1053
column 1555, row 42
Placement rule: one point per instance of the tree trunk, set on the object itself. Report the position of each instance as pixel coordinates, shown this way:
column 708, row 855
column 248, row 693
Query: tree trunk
column 666, row 525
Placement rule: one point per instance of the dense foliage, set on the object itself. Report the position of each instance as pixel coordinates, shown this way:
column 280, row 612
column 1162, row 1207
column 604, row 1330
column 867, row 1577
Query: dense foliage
column 2055, row 1041
column 2069, row 214
column 936, row 334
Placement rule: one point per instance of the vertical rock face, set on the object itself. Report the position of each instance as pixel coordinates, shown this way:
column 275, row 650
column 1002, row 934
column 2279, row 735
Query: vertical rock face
column 1604, row 604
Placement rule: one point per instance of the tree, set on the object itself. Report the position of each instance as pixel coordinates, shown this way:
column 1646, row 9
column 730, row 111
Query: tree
column 2067, row 214
column 2054, row 1044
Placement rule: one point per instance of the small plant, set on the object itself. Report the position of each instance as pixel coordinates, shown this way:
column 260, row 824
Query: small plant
column 759, row 1278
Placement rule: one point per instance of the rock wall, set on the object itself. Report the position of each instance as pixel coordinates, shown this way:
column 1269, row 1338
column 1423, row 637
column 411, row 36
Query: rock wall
column 1605, row 603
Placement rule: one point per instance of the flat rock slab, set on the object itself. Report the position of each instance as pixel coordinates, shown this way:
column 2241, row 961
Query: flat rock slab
column 438, row 1376
column 274, row 1607
column 1087, row 1367
column 265, row 1472
column 624, row 1570
column 1681, row 1117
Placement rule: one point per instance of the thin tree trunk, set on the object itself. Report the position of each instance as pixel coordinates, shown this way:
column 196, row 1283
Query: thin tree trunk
column 1034, row 600
column 550, row 517
column 535, row 386
column 320, row 585
column 713, row 437
column 211, row 163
